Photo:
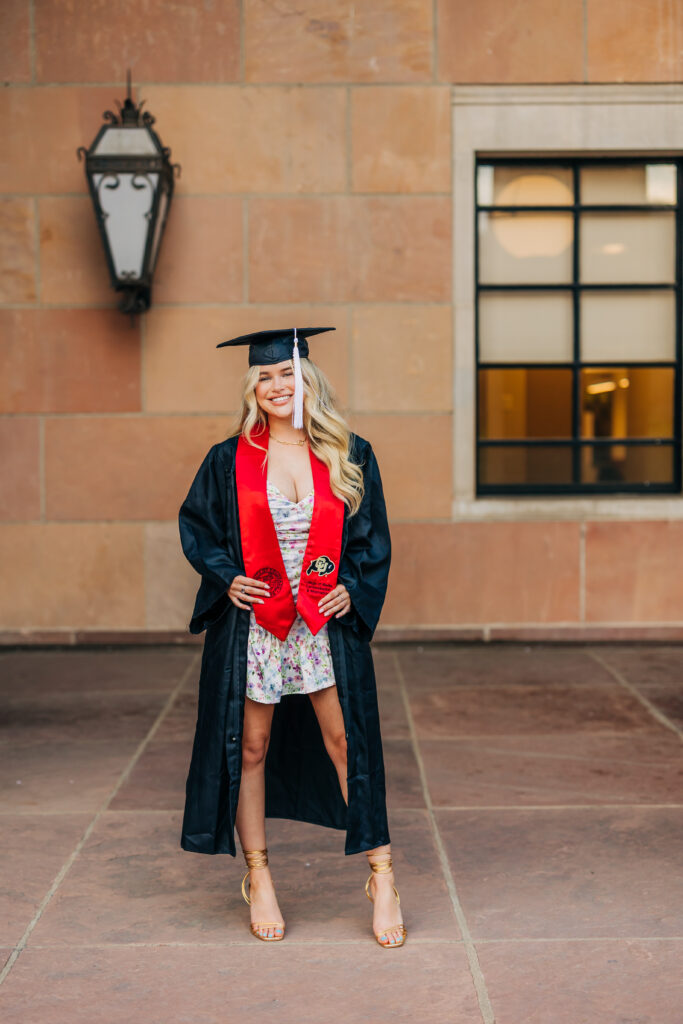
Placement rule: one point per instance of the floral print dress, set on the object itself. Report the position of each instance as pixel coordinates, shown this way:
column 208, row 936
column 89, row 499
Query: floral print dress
column 302, row 663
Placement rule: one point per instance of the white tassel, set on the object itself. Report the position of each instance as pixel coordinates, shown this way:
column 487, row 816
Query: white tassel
column 298, row 413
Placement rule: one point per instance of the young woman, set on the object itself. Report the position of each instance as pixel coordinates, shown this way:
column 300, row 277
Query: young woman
column 286, row 523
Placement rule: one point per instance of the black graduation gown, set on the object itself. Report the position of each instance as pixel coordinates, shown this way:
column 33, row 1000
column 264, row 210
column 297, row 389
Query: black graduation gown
column 301, row 781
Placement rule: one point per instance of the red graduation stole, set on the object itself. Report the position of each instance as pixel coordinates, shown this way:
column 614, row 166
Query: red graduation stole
column 261, row 551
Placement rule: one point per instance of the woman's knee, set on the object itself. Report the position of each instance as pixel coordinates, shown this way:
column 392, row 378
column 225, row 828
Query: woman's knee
column 254, row 749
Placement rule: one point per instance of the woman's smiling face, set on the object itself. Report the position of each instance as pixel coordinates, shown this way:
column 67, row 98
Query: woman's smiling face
column 275, row 389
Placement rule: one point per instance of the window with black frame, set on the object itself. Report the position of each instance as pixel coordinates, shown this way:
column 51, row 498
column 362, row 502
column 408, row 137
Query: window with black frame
column 578, row 276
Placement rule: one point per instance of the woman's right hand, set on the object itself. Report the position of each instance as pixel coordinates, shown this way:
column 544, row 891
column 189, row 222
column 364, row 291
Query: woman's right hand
column 244, row 589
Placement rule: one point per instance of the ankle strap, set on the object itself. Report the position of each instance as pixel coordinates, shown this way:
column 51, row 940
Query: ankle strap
column 381, row 867
column 256, row 858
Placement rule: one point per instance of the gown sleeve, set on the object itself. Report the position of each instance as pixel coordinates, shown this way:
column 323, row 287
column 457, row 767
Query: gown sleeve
column 364, row 568
column 202, row 522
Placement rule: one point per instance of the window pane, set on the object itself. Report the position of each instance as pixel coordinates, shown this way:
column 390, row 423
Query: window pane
column 635, row 183
column 627, row 326
column 525, row 403
column 632, row 464
column 519, row 327
column 525, row 248
column 627, row 402
column 524, row 186
column 628, row 247
column 536, row 465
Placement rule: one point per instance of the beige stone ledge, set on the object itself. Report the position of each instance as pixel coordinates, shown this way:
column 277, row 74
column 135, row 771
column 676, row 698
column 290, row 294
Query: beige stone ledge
column 570, row 93
column 621, row 508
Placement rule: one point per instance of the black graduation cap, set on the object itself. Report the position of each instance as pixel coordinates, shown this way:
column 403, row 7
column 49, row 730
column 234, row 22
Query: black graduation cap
column 269, row 347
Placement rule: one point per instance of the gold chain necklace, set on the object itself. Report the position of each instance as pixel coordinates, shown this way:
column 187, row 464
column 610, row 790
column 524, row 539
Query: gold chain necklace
column 302, row 441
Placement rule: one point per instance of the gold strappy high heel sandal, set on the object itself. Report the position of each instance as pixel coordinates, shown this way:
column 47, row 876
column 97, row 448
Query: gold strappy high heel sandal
column 259, row 859
column 382, row 868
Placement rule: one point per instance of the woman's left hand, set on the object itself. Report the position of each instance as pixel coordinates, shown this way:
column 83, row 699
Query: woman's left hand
column 336, row 603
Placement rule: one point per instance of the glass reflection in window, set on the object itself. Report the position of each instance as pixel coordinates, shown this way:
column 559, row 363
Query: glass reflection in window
column 627, row 402
column 519, row 403
column 525, row 247
column 524, row 186
column 629, row 464
column 516, row 465
column 636, row 183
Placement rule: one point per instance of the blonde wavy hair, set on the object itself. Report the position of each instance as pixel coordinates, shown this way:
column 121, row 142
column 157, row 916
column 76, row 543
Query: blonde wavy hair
column 327, row 432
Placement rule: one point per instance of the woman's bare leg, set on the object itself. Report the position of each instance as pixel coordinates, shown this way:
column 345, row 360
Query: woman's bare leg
column 387, row 913
column 331, row 721
column 250, row 819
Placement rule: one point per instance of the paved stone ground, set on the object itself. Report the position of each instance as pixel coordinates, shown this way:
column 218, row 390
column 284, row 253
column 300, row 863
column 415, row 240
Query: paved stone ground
column 536, row 811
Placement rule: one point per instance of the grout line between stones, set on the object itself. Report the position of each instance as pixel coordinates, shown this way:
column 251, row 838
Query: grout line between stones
column 125, row 774
column 242, row 54
column 468, row 740
column 37, row 266
column 582, row 573
column 435, row 42
column 555, row 807
column 171, row 811
column 340, row 194
column 658, row 715
column 455, row 495
column 470, row 951
column 245, row 250
column 348, row 129
column 32, row 39
column 351, row 942
column 42, row 500
column 584, row 26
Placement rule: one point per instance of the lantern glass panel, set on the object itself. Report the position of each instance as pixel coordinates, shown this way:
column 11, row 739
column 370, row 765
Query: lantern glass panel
column 126, row 142
column 158, row 228
column 126, row 201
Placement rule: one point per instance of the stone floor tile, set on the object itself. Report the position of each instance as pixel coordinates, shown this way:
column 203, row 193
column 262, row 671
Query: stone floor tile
column 643, row 665
column 157, row 781
column 62, row 718
column 429, row 667
column 133, row 883
column 181, row 718
column 285, row 981
column 86, row 669
column 62, row 777
column 392, row 713
column 628, row 981
column 384, row 660
column 526, row 708
column 568, row 873
column 656, row 672
column 668, row 699
column 572, row 768
column 33, row 848
column 404, row 788
column 5, row 953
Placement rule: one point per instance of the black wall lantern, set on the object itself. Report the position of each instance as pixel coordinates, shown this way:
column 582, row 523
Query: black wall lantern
column 130, row 177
